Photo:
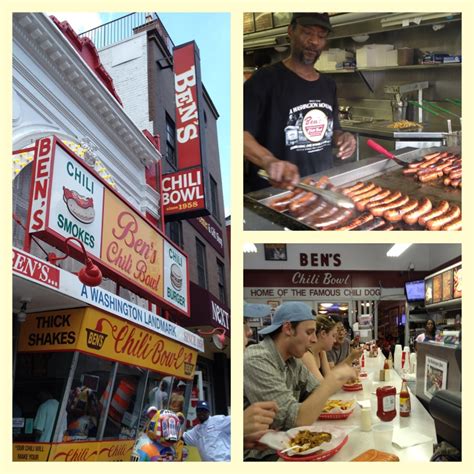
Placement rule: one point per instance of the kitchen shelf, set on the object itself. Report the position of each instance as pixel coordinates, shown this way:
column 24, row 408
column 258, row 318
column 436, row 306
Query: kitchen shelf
column 391, row 68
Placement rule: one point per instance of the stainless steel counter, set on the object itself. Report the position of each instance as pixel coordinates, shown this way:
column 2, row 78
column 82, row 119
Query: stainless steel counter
column 379, row 128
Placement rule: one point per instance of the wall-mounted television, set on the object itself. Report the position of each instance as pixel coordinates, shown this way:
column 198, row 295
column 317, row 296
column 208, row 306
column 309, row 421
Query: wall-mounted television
column 415, row 290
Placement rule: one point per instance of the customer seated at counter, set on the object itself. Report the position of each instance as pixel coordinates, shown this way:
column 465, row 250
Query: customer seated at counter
column 273, row 370
column 341, row 352
column 315, row 359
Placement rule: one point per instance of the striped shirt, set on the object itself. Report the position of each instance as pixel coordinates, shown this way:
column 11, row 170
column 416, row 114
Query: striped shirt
column 268, row 377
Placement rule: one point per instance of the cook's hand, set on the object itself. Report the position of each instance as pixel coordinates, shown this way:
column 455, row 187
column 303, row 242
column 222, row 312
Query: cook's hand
column 257, row 420
column 346, row 144
column 283, row 174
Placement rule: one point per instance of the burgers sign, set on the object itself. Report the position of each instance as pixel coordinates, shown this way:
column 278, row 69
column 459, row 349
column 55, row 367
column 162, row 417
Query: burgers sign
column 176, row 273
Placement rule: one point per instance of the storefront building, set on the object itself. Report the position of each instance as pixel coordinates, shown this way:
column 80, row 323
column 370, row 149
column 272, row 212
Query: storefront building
column 152, row 75
column 97, row 350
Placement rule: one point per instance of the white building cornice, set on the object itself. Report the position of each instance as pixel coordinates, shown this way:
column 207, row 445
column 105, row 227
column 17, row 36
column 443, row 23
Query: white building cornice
column 36, row 33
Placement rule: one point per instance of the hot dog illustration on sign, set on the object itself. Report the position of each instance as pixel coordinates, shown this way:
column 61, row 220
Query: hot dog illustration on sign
column 81, row 207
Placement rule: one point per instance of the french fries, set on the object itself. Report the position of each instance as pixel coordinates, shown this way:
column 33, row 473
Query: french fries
column 332, row 404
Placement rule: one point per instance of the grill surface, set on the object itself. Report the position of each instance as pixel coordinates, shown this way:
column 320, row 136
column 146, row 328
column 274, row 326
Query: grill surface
column 381, row 171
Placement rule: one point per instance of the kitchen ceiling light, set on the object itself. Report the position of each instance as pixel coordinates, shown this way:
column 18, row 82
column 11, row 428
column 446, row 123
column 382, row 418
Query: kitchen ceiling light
column 250, row 248
column 322, row 311
column 397, row 249
column 360, row 38
column 326, row 305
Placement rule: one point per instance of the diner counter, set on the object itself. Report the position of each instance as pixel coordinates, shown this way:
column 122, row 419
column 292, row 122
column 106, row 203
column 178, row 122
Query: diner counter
column 359, row 441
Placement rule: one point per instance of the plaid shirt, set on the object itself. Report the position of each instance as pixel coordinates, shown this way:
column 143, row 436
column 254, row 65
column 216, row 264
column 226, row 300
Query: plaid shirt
column 268, row 377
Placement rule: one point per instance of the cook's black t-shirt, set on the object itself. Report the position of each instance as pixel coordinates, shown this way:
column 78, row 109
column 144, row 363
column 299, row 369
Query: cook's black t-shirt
column 292, row 117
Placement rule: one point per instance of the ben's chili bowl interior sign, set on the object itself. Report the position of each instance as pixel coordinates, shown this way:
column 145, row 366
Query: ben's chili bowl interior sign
column 67, row 199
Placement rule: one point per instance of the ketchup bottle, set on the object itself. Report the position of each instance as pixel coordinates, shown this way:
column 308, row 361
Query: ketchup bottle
column 405, row 405
column 386, row 410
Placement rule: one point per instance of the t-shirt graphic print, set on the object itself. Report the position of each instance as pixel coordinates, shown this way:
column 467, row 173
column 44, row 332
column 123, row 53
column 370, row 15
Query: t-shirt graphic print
column 309, row 128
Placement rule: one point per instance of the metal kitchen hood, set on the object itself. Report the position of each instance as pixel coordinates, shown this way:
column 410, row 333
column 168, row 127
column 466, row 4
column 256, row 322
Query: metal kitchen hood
column 352, row 24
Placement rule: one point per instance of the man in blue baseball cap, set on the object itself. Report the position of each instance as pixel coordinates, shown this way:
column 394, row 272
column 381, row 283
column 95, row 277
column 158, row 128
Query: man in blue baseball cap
column 211, row 436
column 291, row 121
column 273, row 370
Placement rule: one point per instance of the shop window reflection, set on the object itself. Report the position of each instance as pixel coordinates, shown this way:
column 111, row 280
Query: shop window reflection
column 35, row 374
column 125, row 408
column 83, row 408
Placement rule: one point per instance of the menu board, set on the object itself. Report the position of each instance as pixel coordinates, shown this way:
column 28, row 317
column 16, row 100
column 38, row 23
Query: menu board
column 457, row 282
column 445, row 286
column 263, row 21
column 249, row 26
column 428, row 291
column 437, row 288
column 447, row 277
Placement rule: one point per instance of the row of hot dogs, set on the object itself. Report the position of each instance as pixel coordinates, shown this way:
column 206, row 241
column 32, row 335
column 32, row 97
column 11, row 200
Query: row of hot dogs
column 394, row 207
column 382, row 209
column 442, row 165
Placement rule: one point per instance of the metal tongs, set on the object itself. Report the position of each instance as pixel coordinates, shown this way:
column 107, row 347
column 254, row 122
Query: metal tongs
column 332, row 197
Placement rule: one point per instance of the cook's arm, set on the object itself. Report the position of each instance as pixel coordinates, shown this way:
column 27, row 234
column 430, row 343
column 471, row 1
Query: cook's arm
column 283, row 174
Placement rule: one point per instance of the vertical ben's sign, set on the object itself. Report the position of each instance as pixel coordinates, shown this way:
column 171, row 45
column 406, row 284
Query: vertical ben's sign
column 184, row 191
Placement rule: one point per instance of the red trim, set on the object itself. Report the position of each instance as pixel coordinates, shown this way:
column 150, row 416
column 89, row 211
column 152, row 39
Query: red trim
column 27, row 241
column 154, row 139
column 159, row 189
column 87, row 50
column 24, row 150
column 152, row 219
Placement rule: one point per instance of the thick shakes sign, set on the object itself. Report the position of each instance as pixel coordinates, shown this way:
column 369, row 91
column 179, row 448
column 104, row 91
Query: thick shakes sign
column 184, row 191
column 70, row 200
column 94, row 332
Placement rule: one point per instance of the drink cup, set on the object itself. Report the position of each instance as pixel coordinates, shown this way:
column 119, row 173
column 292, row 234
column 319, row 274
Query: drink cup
column 383, row 433
column 367, row 386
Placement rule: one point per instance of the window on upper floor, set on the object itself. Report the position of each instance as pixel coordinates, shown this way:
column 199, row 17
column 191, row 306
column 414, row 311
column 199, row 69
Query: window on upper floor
column 214, row 198
column 221, row 281
column 171, row 142
column 174, row 230
column 201, row 264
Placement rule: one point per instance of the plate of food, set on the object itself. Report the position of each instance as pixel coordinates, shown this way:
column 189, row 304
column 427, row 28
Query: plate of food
column 306, row 443
column 337, row 409
column 353, row 385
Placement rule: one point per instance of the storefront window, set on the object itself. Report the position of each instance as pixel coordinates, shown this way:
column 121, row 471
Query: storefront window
column 158, row 391
column 87, row 397
column 38, row 389
column 126, row 405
